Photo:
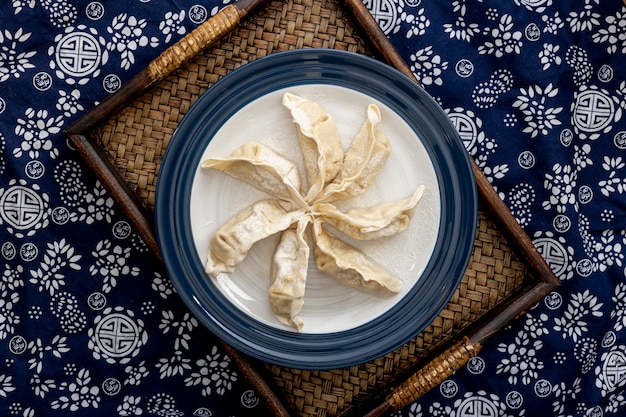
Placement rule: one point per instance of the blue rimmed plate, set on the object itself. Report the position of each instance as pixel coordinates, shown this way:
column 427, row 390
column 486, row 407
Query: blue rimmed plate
column 342, row 327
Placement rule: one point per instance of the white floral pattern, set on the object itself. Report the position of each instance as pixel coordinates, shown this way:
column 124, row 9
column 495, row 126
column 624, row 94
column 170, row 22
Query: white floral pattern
column 89, row 324
column 550, row 142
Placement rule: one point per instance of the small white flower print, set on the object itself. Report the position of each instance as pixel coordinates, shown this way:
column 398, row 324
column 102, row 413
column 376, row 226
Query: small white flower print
column 535, row 326
column 616, row 402
column 41, row 387
column 613, row 183
column 13, row 62
column 163, row 405
column 548, row 56
column 461, row 29
column 561, row 183
column 19, row 5
column 176, row 365
column 581, row 157
column 58, row 256
column 619, row 310
column 585, row 19
column 6, row 385
column 111, row 263
column 564, row 395
column 135, row 374
column 553, row 23
column 68, row 103
column 36, row 130
column 130, row 406
column 614, row 35
column 505, row 40
column 38, row 350
column 163, row 285
column 417, row 23
column 520, row 362
column 96, row 206
column 533, row 102
column 428, row 66
column 214, row 373
column 182, row 328
column 172, row 24
column 79, row 394
column 573, row 323
column 127, row 37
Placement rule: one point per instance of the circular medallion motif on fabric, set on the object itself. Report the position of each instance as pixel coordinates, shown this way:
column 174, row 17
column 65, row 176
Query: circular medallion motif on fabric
column 94, row 10
column 620, row 140
column 612, row 372
column 514, row 399
column 554, row 253
column 21, row 207
column 477, row 407
column 198, row 14
column 384, row 11
column 543, row 388
column 466, row 127
column 78, row 54
column 117, row 336
column 593, row 111
column 448, row 388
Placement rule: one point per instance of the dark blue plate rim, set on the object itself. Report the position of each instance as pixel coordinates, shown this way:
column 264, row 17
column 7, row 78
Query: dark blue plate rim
column 421, row 304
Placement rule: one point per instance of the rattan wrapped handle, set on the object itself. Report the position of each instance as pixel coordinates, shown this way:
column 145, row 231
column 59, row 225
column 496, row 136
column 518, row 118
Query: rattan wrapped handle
column 196, row 41
column 427, row 378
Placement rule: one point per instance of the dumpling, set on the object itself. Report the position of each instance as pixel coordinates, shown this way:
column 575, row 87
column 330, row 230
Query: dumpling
column 350, row 266
column 373, row 222
column 365, row 158
column 230, row 244
column 319, row 139
column 288, row 275
column 261, row 167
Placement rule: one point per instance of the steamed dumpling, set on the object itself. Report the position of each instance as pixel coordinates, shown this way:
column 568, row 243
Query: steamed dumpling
column 350, row 266
column 365, row 158
column 232, row 241
column 373, row 222
column 288, row 275
column 261, row 167
column 319, row 139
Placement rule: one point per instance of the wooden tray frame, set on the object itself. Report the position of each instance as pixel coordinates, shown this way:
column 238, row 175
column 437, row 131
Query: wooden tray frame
column 427, row 374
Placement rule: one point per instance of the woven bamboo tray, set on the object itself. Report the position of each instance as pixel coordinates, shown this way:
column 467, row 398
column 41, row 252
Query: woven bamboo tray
column 124, row 139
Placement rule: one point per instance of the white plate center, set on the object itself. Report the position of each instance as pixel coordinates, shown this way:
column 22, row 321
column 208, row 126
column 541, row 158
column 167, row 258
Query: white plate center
column 328, row 306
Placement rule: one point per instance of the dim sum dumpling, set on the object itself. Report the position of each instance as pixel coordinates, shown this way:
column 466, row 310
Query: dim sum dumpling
column 288, row 275
column 373, row 222
column 261, row 167
column 350, row 266
column 319, row 139
column 230, row 244
column 365, row 158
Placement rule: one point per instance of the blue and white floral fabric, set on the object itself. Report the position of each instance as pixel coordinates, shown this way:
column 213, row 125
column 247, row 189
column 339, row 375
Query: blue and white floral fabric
column 88, row 326
column 537, row 89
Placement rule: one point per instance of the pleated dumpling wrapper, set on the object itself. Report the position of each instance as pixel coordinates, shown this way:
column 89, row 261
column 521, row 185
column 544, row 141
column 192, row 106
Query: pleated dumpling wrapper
column 332, row 174
column 320, row 142
column 261, row 167
column 288, row 275
column 375, row 222
column 365, row 158
column 350, row 266
column 231, row 243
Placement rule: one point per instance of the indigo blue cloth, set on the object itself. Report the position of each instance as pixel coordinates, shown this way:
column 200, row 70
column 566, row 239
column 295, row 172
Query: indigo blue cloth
column 537, row 91
column 88, row 325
